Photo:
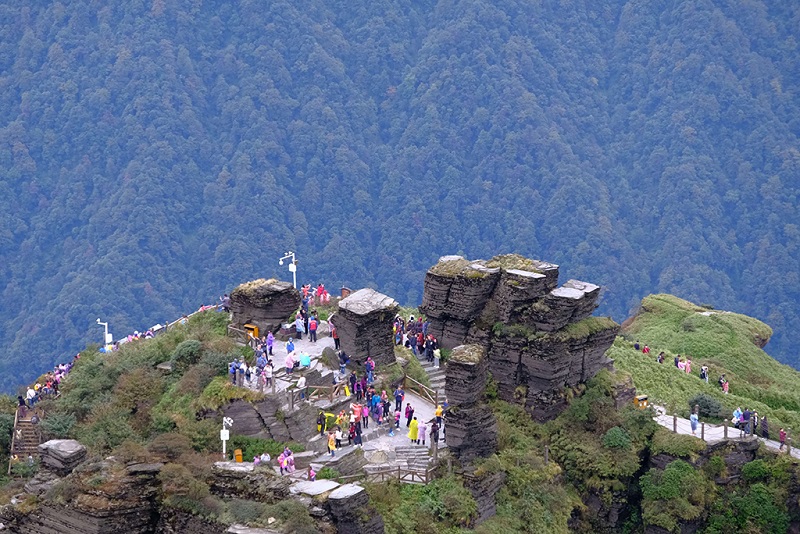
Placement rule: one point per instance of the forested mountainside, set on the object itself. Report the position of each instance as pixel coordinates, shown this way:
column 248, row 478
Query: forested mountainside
column 154, row 154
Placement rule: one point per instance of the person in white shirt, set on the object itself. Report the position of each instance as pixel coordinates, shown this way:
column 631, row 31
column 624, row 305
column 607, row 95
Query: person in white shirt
column 301, row 385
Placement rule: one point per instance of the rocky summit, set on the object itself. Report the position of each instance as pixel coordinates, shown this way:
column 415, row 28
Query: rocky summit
column 540, row 339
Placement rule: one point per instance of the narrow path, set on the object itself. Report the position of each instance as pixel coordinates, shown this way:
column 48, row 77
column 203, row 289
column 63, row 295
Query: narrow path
column 713, row 433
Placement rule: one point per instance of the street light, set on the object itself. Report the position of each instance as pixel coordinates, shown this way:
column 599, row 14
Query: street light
column 107, row 338
column 292, row 265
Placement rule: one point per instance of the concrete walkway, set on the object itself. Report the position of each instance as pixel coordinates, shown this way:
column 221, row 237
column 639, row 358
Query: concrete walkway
column 712, row 433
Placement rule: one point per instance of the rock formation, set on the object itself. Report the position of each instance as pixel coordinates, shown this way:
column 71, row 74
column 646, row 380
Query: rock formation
column 61, row 456
column 265, row 303
column 364, row 322
column 471, row 426
column 540, row 339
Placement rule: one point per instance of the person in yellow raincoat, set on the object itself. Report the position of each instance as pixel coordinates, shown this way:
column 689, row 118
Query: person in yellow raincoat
column 413, row 430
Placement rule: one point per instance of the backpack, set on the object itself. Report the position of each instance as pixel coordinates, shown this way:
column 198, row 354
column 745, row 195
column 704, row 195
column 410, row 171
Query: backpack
column 232, row 368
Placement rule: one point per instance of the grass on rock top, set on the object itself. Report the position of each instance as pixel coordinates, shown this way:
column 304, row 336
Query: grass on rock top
column 725, row 342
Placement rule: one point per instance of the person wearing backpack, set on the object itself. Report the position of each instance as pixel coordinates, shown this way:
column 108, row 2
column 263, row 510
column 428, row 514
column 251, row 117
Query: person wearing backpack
column 232, row 371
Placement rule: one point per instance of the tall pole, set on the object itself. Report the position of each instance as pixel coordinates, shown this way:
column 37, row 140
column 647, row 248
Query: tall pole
column 292, row 265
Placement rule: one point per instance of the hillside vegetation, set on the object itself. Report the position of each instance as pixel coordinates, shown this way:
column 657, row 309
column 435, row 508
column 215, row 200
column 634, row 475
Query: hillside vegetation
column 154, row 154
column 726, row 342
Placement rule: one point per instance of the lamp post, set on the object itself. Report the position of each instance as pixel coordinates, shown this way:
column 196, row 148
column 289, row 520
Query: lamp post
column 107, row 338
column 225, row 435
column 292, row 266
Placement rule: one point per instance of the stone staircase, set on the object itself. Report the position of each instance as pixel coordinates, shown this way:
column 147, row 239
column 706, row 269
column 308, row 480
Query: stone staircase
column 413, row 457
column 27, row 436
column 436, row 376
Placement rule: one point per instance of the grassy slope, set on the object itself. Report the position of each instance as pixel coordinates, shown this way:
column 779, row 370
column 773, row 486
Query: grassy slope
column 726, row 342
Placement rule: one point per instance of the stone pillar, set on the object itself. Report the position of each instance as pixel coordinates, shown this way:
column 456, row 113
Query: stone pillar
column 364, row 322
column 471, row 425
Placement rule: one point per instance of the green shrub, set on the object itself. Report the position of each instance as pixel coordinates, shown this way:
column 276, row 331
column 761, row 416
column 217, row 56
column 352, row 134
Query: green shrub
column 220, row 391
column 616, row 438
column 709, row 406
column 218, row 361
column 676, row 445
column 328, row 472
column 59, row 425
column 755, row 471
column 715, row 466
column 679, row 492
column 186, row 354
column 24, row 469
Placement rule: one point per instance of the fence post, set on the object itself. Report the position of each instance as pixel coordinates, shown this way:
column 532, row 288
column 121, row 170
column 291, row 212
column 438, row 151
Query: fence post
column 788, row 444
column 703, row 430
column 675, row 423
column 399, row 476
column 273, row 383
column 725, row 428
column 546, row 454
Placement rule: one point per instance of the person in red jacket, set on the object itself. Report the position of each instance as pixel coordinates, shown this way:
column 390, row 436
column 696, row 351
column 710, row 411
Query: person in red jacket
column 782, row 438
column 312, row 329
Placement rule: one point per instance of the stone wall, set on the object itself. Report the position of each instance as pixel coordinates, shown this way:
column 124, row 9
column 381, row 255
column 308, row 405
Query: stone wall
column 364, row 322
column 266, row 303
column 540, row 339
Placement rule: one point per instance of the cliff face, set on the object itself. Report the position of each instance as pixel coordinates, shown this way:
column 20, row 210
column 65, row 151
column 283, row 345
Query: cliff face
column 539, row 338
column 364, row 322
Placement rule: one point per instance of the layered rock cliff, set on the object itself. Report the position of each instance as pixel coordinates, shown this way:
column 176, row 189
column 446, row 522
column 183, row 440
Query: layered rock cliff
column 540, row 339
column 265, row 303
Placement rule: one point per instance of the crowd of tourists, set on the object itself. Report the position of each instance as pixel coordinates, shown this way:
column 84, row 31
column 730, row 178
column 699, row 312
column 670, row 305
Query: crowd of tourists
column 47, row 387
column 684, row 364
column 413, row 334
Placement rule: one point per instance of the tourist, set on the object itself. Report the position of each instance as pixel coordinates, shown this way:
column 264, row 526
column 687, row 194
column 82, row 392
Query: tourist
column 646, row 350
column 725, row 387
column 693, row 419
column 332, row 443
column 265, row 458
column 661, row 357
column 312, row 329
column 409, row 414
column 682, row 365
column 359, row 391
column 399, row 395
column 281, row 462
column 270, row 343
column 369, row 366
column 434, row 432
column 782, row 438
column 358, row 440
column 765, row 428
column 352, row 379
column 335, row 336
column 321, row 423
column 754, row 419
column 344, row 359
column 438, row 414
column 704, row 373
column 421, row 435
column 721, row 380
column 299, row 327
column 737, row 417
column 397, row 418
column 365, row 415
column 677, row 361
column 688, row 366
column 267, row 374
column 289, row 363
column 413, row 430
column 636, row 346
column 312, row 475
column 338, row 437
column 437, row 356
column 746, row 414
column 301, row 387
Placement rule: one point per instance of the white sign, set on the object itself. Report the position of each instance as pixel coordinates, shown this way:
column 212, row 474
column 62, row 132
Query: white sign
column 292, row 268
column 109, row 339
column 224, row 434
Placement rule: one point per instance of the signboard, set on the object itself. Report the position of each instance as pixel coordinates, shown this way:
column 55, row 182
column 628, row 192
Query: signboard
column 224, row 434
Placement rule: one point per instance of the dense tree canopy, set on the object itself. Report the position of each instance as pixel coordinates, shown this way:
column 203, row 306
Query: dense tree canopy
column 154, row 154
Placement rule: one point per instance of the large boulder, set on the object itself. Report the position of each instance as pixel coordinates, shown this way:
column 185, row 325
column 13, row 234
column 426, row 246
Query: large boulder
column 62, row 455
column 364, row 322
column 265, row 303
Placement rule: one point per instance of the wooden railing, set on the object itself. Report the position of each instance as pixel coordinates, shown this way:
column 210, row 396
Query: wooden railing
column 13, row 439
column 432, row 395
column 297, row 395
column 401, row 474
